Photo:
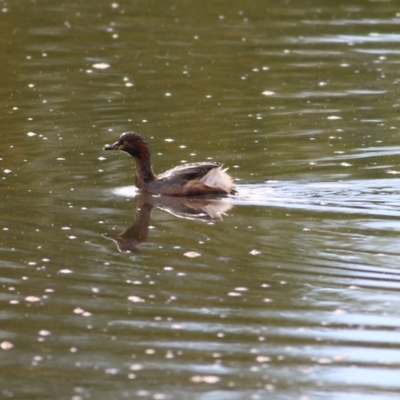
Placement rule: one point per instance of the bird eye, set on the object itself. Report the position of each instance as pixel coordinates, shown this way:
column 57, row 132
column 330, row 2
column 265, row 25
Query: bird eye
column 125, row 143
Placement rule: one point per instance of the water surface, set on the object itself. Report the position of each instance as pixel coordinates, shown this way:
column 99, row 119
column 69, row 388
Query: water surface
column 289, row 290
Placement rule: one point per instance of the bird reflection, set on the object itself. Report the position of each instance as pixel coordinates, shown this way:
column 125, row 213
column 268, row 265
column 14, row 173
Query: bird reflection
column 203, row 209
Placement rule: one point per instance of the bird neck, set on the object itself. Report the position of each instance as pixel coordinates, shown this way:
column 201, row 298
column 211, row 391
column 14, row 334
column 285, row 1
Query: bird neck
column 144, row 172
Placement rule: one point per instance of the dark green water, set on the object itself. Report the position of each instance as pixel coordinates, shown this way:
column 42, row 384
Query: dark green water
column 293, row 294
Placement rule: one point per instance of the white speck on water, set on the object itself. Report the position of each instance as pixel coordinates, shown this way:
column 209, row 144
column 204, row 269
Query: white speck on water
column 111, row 371
column 136, row 367
column 205, row 379
column 265, row 285
column 176, row 326
column 265, row 68
column 6, row 345
column 168, row 94
column 192, row 254
column 268, row 93
column 128, row 84
column 31, row 134
column 263, row 359
column 234, row 294
column 333, row 117
column 89, row 71
column 32, row 299
column 102, row 158
column 72, row 237
column 65, row 228
column 44, row 332
column 255, row 252
column 136, row 299
column 345, row 164
column 101, row 66
column 7, row 171
column 60, row 159
column 65, row 271
column 169, row 140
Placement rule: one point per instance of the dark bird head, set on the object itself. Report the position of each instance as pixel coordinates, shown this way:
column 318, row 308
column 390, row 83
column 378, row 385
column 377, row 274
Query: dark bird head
column 131, row 143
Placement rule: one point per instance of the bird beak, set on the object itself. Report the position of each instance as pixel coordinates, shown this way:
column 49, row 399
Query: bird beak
column 115, row 146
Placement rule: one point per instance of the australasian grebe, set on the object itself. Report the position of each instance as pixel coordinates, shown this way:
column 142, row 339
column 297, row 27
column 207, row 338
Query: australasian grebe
column 194, row 179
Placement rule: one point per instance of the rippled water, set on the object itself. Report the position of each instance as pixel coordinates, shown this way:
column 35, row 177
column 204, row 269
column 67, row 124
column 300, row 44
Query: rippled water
column 288, row 290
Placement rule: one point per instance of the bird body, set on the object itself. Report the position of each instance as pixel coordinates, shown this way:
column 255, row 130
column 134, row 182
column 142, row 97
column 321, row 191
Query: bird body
column 194, row 179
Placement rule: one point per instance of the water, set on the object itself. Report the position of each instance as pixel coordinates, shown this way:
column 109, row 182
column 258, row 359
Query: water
column 287, row 291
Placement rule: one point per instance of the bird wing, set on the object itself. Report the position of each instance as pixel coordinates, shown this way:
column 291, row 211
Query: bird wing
column 188, row 172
